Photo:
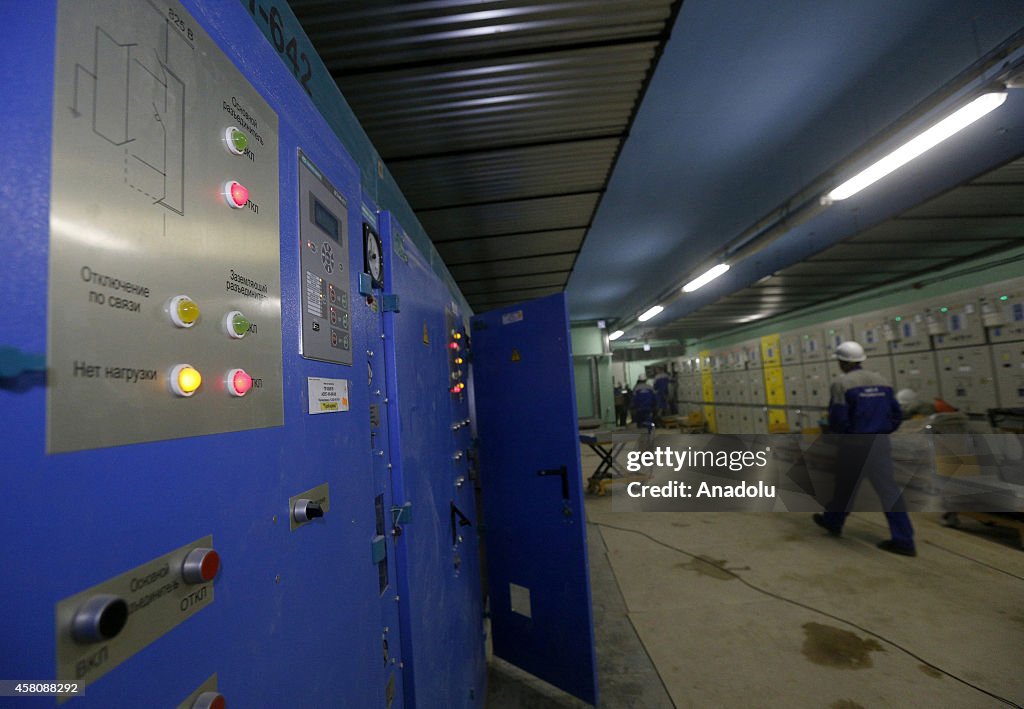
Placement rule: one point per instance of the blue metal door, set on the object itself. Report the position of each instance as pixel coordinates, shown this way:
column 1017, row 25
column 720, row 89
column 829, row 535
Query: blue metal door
column 535, row 531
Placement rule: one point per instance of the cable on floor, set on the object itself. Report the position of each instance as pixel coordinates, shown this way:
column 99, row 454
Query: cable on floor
column 826, row 614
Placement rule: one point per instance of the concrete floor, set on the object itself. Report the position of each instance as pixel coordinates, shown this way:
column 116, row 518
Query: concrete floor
column 749, row 609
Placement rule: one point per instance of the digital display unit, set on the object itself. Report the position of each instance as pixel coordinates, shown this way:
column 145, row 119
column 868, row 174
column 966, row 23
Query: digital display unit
column 325, row 219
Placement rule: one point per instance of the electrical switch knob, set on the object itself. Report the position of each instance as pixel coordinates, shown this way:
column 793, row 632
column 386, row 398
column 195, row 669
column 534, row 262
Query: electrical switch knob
column 200, row 566
column 99, row 619
column 306, row 510
column 236, row 324
column 210, row 700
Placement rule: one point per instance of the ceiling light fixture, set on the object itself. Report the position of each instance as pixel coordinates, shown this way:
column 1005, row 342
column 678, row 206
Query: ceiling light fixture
column 616, row 335
column 708, row 276
column 650, row 313
column 945, row 128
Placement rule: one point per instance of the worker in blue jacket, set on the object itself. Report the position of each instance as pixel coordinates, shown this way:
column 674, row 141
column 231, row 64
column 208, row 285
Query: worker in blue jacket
column 863, row 409
column 644, row 403
column 661, row 382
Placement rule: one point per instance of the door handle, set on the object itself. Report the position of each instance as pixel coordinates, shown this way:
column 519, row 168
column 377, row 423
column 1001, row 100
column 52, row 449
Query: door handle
column 564, row 473
column 457, row 520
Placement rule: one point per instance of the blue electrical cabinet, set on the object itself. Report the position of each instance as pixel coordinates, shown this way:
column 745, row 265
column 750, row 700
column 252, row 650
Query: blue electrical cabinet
column 238, row 462
column 428, row 364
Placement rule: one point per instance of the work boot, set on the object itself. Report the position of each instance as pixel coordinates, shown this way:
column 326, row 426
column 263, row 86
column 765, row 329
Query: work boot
column 819, row 520
column 890, row 546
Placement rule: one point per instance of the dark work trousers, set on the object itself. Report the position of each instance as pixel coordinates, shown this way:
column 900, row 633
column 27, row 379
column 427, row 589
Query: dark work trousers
column 620, row 414
column 860, row 456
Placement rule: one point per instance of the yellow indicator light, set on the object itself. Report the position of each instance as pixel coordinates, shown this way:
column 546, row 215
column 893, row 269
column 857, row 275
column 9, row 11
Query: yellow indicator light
column 185, row 379
column 457, row 335
column 188, row 312
column 183, row 310
column 458, row 360
column 189, row 380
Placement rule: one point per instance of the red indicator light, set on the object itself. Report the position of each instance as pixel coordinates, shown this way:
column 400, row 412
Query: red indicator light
column 238, row 382
column 236, row 194
column 453, row 345
column 455, row 389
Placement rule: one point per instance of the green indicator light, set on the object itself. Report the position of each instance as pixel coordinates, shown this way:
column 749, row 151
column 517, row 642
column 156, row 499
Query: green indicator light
column 944, row 310
column 236, row 140
column 240, row 324
column 1004, row 297
column 898, row 318
column 239, row 140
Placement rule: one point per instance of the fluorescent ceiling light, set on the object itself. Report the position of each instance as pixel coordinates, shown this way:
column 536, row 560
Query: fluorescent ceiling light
column 929, row 139
column 650, row 313
column 708, row 276
column 616, row 335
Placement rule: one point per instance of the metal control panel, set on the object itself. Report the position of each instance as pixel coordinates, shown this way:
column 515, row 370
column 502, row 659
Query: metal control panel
column 1002, row 313
column 817, row 384
column 324, row 272
column 911, row 331
column 789, row 346
column 101, row 627
column 836, row 332
column 793, row 379
column 961, row 323
column 812, row 346
column 966, row 379
column 868, row 331
column 1009, row 368
column 164, row 274
column 917, row 371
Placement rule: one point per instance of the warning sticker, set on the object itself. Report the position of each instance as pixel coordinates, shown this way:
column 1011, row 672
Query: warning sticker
column 514, row 316
column 327, row 396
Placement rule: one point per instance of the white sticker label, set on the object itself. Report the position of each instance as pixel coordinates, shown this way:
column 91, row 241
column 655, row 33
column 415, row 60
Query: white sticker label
column 327, row 396
column 514, row 316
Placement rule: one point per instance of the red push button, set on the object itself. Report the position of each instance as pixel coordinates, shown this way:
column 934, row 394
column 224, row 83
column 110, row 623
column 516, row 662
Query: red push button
column 210, row 700
column 201, row 565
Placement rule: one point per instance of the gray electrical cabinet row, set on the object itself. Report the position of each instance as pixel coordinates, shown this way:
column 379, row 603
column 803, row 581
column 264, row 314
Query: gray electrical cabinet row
column 966, row 348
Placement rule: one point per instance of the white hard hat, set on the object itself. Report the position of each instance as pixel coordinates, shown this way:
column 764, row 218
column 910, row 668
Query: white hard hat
column 906, row 397
column 850, row 352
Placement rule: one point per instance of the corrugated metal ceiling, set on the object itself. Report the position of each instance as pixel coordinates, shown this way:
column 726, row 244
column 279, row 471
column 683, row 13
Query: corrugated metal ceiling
column 982, row 217
column 500, row 121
